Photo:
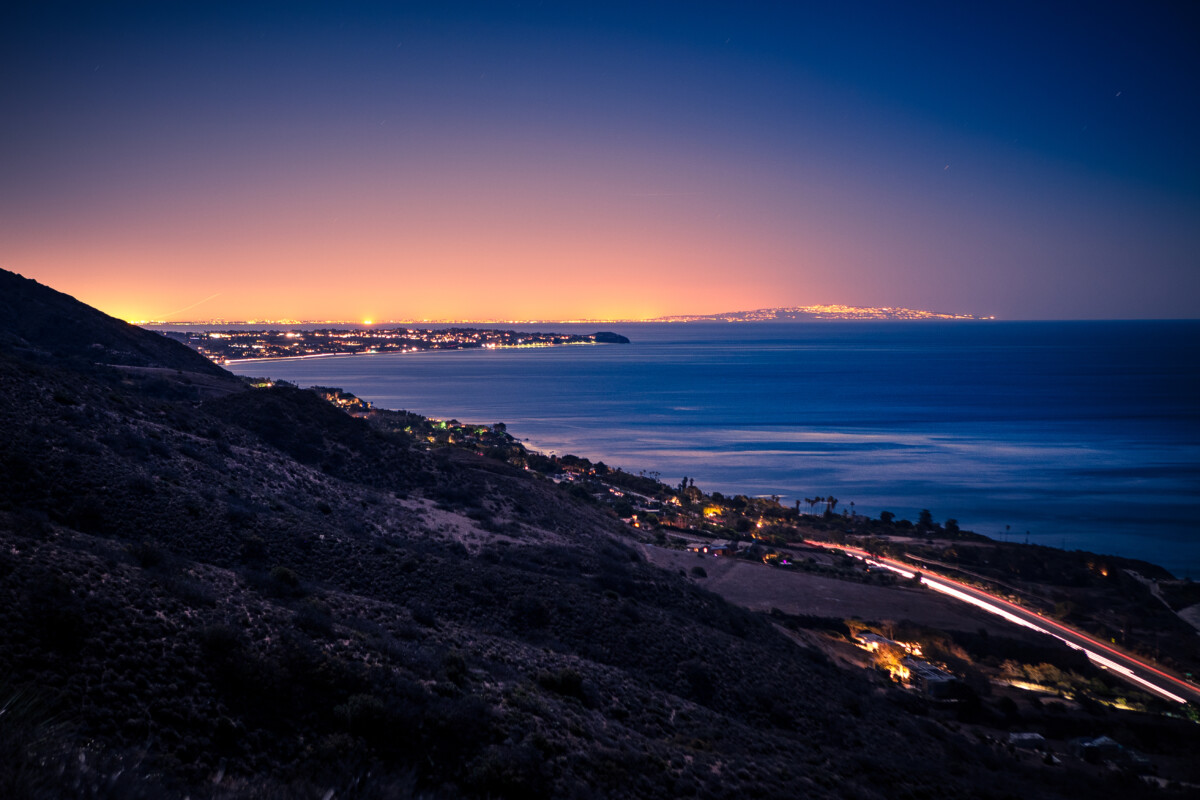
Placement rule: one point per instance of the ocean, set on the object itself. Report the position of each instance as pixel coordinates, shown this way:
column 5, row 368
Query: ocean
column 1071, row 434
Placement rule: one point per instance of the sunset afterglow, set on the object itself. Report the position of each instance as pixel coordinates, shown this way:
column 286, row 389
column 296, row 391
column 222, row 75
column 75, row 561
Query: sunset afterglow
column 196, row 161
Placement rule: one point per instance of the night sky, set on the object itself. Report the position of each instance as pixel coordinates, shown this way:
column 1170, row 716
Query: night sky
column 550, row 160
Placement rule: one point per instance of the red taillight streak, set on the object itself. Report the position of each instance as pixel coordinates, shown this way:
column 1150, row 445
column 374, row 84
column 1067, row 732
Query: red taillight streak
column 994, row 598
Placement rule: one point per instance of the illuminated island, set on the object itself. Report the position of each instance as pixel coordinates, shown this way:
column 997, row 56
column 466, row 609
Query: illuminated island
column 819, row 312
column 225, row 347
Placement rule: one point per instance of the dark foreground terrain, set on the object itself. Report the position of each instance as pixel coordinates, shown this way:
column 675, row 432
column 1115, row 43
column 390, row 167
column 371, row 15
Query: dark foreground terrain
column 220, row 591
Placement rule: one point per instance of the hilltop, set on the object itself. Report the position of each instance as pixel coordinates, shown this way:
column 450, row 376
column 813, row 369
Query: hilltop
column 41, row 324
column 214, row 590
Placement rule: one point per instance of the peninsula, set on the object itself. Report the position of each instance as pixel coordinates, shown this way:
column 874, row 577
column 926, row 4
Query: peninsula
column 229, row 346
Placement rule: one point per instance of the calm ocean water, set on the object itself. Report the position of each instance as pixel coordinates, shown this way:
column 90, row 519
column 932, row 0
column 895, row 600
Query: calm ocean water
column 1077, row 435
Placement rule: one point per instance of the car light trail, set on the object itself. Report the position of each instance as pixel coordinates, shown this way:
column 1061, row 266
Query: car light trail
column 996, row 606
column 1093, row 656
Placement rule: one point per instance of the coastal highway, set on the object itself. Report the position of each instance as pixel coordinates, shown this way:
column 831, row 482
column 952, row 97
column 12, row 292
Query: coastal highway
column 1130, row 668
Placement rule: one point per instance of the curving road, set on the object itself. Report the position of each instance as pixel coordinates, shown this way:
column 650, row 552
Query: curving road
column 1131, row 668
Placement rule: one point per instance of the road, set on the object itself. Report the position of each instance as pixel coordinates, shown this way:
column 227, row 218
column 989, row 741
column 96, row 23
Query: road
column 1131, row 668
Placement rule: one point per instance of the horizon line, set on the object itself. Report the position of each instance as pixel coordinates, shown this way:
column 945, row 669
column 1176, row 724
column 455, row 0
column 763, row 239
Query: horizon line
column 773, row 314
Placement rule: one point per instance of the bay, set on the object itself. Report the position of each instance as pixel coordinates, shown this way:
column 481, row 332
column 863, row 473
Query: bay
column 1071, row 434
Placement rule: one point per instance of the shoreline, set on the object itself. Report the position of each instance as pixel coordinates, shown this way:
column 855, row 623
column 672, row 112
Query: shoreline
column 405, row 352
column 564, row 409
column 1020, row 584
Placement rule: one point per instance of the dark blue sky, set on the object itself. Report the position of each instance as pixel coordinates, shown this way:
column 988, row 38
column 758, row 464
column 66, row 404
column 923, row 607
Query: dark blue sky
column 1023, row 160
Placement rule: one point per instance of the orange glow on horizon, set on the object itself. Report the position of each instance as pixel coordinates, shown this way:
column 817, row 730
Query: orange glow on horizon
column 586, row 170
column 590, row 290
column 482, row 242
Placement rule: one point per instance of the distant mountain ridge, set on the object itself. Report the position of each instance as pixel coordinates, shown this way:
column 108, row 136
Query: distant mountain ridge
column 781, row 314
column 804, row 313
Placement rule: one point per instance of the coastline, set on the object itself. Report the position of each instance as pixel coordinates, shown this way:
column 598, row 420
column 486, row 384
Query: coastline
column 405, row 352
column 756, row 410
column 1069, row 596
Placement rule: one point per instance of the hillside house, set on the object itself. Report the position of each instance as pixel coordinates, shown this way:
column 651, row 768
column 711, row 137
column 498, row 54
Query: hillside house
column 930, row 680
column 717, row 549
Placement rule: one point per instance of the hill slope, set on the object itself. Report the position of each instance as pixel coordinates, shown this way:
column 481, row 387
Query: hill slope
column 42, row 322
column 257, row 594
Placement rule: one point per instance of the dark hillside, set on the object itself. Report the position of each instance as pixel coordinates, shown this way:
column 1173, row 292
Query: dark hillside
column 38, row 320
column 316, row 433
column 262, row 596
